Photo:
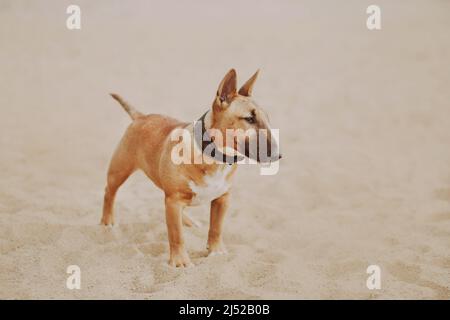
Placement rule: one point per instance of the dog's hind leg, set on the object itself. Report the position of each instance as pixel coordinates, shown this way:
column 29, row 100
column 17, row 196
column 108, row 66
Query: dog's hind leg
column 120, row 169
column 188, row 221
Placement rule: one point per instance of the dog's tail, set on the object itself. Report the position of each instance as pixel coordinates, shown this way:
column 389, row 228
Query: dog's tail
column 127, row 107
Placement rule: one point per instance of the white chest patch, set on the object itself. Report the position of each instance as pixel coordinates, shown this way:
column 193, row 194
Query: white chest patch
column 213, row 186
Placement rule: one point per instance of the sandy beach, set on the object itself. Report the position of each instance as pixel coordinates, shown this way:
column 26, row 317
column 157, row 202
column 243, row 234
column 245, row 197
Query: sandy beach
column 364, row 120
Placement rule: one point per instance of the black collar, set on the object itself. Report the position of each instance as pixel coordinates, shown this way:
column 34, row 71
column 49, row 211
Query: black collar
column 203, row 139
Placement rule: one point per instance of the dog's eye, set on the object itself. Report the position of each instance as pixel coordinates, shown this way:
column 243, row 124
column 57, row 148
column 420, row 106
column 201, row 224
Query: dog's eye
column 250, row 119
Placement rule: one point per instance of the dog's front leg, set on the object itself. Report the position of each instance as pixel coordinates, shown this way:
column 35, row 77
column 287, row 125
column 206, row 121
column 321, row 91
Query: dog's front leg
column 219, row 207
column 178, row 254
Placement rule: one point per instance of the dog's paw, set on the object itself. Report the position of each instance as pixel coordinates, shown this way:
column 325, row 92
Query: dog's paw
column 180, row 260
column 216, row 249
column 107, row 221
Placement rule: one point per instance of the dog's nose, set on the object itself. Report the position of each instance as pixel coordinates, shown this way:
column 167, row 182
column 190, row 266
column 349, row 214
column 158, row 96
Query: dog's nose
column 280, row 156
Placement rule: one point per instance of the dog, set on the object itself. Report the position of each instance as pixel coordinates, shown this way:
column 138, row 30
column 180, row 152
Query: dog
column 147, row 146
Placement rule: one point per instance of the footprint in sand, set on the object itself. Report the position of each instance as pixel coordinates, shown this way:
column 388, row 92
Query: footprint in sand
column 412, row 274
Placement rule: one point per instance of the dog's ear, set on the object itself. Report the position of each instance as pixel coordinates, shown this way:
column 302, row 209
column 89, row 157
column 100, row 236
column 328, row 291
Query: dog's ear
column 246, row 89
column 227, row 88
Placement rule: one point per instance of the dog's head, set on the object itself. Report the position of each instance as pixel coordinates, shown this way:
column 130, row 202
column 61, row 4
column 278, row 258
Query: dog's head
column 236, row 112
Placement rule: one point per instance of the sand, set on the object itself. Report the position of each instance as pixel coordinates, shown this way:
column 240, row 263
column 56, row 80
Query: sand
column 364, row 120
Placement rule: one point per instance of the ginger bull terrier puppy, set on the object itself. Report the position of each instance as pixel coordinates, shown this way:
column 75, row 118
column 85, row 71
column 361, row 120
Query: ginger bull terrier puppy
column 148, row 145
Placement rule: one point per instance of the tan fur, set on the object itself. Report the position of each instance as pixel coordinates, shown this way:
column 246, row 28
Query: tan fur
column 146, row 145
